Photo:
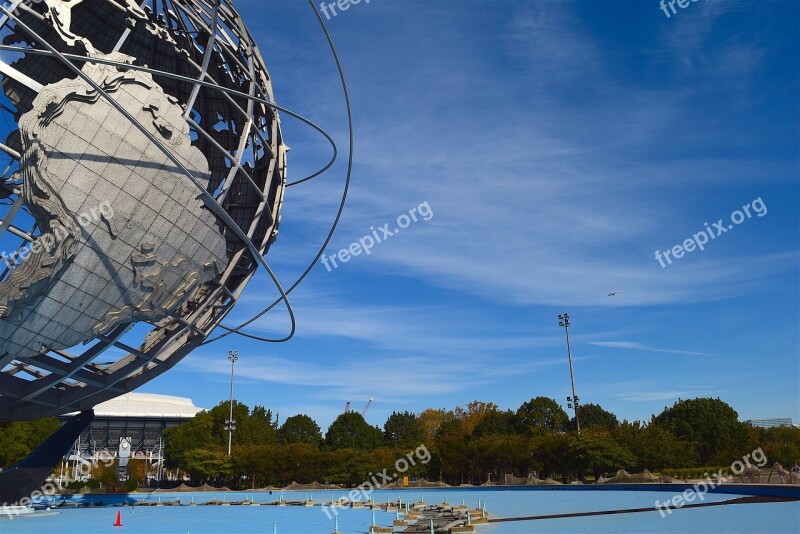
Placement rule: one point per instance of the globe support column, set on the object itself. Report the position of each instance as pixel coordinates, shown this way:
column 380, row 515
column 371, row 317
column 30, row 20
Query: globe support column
column 28, row 475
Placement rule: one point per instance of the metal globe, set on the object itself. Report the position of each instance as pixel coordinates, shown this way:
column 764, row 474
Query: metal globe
column 145, row 177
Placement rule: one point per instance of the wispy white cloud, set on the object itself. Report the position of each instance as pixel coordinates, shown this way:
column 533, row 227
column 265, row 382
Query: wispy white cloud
column 550, row 196
column 400, row 379
column 632, row 345
column 555, row 167
column 652, row 390
column 421, row 328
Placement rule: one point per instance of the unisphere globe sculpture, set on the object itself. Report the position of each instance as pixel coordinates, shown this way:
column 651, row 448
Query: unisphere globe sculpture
column 145, row 177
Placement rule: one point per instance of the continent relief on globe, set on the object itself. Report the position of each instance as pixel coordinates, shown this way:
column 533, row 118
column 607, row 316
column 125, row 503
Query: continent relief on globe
column 149, row 243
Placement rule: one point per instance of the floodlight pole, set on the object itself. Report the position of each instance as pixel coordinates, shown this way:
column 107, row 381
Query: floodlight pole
column 563, row 320
column 233, row 357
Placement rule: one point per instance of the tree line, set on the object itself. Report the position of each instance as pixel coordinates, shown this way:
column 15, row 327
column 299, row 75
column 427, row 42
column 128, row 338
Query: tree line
column 468, row 445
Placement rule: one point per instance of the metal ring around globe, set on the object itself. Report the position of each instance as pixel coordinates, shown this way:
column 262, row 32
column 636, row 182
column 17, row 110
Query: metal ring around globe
column 237, row 330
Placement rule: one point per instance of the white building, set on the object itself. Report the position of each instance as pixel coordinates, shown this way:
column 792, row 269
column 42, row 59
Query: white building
column 141, row 417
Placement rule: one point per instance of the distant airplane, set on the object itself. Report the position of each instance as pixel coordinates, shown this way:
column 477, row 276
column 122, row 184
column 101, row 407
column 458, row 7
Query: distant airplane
column 612, row 294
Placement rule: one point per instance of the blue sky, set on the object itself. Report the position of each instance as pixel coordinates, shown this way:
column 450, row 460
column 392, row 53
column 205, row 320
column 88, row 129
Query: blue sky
column 558, row 145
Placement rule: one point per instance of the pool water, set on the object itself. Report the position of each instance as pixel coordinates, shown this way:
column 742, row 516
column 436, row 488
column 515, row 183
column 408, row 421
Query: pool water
column 504, row 503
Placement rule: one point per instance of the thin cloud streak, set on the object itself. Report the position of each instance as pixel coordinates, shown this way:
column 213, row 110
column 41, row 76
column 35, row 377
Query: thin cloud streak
column 632, row 345
column 399, row 378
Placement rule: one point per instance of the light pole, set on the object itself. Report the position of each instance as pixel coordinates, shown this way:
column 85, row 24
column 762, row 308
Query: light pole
column 563, row 320
column 230, row 424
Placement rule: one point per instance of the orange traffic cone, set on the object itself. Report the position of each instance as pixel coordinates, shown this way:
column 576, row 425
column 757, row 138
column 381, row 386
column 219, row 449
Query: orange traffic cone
column 118, row 522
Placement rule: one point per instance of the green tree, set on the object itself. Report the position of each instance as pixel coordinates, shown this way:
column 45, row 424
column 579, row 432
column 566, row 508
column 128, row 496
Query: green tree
column 541, row 415
column 18, row 439
column 453, row 458
column 137, row 470
column 348, row 466
column 299, row 429
column 257, row 463
column 593, row 416
column 495, row 455
column 430, row 420
column 106, row 474
column 451, row 428
column 496, row 423
column 654, row 447
column 710, row 425
column 255, row 428
column 550, row 454
column 206, row 431
column 350, row 430
column 598, row 452
column 261, row 415
column 403, row 430
column 472, row 415
column 208, row 465
column 780, row 444
column 198, row 433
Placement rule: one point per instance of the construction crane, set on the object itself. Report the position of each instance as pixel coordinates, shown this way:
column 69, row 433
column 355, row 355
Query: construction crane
column 366, row 406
